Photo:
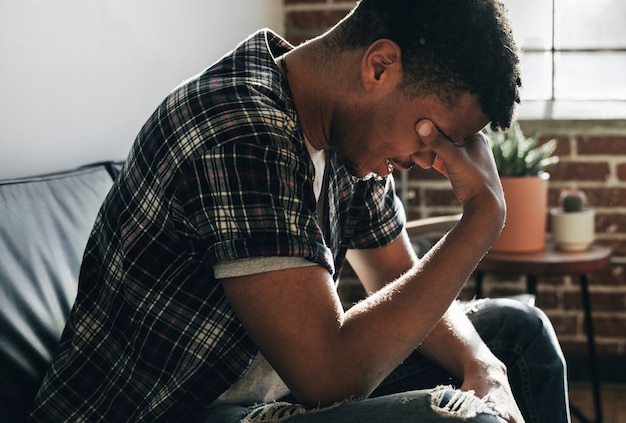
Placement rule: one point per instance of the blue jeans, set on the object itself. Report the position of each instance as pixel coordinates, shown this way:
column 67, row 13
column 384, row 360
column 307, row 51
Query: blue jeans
column 421, row 391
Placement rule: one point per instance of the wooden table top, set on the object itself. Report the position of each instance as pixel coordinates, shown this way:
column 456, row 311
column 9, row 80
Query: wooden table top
column 550, row 261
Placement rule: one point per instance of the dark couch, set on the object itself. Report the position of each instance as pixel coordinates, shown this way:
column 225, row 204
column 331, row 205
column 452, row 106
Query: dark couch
column 44, row 225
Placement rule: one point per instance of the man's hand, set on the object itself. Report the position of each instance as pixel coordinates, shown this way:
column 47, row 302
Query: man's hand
column 469, row 167
column 490, row 382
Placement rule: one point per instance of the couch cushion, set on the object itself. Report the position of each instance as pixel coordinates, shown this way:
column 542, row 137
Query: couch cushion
column 44, row 226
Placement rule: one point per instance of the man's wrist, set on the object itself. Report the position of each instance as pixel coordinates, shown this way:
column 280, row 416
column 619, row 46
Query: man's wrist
column 483, row 374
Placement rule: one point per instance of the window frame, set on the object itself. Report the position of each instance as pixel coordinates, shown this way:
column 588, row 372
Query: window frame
column 555, row 108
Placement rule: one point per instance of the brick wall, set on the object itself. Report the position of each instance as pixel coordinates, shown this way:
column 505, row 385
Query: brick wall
column 593, row 158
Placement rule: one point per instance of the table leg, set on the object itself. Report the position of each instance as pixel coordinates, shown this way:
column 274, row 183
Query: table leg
column 531, row 285
column 591, row 347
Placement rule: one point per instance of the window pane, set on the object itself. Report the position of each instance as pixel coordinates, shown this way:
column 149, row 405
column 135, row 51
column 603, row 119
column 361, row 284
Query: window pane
column 532, row 23
column 590, row 76
column 536, row 76
column 590, row 24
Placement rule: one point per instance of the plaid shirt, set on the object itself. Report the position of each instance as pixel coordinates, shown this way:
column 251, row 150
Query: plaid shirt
column 219, row 172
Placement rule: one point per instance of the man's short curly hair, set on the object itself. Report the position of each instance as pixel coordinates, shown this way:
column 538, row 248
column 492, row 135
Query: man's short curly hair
column 448, row 47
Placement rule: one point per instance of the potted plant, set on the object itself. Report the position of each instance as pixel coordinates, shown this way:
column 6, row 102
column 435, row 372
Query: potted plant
column 521, row 162
column 573, row 225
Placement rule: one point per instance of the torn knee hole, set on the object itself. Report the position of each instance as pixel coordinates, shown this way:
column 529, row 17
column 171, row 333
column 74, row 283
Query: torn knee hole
column 447, row 401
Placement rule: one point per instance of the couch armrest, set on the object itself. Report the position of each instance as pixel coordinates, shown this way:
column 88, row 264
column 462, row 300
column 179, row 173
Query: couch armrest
column 44, row 225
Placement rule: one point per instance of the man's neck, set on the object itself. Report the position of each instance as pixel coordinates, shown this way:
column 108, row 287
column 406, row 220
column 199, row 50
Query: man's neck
column 311, row 90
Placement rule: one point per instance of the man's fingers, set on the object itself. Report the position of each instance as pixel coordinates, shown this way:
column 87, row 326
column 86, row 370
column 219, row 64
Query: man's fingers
column 432, row 138
column 429, row 134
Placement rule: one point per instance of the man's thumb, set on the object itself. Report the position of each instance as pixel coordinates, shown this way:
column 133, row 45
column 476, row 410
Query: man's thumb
column 429, row 134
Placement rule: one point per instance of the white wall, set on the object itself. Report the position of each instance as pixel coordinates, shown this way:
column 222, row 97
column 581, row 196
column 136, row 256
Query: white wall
column 78, row 78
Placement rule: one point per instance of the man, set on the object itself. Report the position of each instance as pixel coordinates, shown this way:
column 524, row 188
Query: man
column 207, row 291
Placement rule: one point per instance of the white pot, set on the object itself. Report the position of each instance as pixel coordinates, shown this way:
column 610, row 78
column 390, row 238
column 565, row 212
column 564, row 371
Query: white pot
column 572, row 231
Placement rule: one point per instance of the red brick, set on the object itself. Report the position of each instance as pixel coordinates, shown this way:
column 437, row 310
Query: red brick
column 606, row 197
column 418, row 173
column 618, row 246
column 550, row 281
column 609, row 326
column 616, row 277
column 621, row 171
column 441, row 198
column 610, row 223
column 579, row 171
column 573, row 347
column 547, row 300
column 553, row 196
column 602, row 145
column 316, row 20
column 599, row 301
column 572, row 301
column 495, row 291
column 603, row 277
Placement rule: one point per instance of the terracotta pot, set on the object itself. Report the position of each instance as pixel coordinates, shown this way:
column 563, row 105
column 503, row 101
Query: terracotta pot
column 526, row 216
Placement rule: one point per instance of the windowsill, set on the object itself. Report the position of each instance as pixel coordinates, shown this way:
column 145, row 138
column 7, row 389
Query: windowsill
column 573, row 117
column 572, row 110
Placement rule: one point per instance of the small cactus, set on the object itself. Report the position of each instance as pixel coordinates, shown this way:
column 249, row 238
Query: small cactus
column 573, row 201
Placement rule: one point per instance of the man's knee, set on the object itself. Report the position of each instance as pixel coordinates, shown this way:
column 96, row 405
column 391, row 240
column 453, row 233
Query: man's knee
column 505, row 318
column 512, row 328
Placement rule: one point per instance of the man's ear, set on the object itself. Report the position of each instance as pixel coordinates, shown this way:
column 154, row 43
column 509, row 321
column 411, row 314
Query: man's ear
column 381, row 64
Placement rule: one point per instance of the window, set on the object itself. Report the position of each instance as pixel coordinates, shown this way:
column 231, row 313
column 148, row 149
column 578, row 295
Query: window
column 571, row 49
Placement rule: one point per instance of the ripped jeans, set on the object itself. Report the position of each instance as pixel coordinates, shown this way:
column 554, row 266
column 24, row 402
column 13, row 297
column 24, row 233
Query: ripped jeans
column 419, row 391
